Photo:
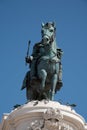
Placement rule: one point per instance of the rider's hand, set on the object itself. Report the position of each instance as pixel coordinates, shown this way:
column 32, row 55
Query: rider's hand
column 29, row 59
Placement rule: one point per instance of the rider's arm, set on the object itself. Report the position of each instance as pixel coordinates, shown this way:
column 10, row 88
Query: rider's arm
column 36, row 50
column 34, row 54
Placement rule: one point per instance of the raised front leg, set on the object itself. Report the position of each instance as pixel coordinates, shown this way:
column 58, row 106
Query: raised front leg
column 42, row 75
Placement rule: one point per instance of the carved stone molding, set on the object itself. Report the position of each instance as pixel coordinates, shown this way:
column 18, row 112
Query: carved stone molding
column 43, row 116
column 52, row 120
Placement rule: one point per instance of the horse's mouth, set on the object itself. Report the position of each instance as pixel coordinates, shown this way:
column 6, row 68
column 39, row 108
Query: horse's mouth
column 46, row 39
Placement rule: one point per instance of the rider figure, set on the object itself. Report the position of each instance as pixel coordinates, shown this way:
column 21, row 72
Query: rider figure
column 37, row 53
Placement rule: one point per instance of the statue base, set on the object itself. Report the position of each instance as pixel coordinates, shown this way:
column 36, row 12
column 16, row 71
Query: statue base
column 43, row 115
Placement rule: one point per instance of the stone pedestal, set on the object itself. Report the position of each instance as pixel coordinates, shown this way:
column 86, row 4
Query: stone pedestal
column 43, row 115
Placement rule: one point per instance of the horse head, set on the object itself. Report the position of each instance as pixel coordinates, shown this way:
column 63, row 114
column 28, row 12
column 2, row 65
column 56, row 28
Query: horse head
column 48, row 32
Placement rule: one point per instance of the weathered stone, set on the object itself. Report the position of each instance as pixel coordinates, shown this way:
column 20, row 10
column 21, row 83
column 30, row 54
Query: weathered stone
column 43, row 115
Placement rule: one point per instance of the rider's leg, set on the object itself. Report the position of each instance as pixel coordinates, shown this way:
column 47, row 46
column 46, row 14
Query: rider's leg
column 32, row 69
column 60, row 73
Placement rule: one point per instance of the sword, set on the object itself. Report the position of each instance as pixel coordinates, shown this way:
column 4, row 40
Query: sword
column 28, row 50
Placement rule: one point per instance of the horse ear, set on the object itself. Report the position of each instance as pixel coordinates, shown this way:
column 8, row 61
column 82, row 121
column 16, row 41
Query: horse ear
column 53, row 24
column 42, row 24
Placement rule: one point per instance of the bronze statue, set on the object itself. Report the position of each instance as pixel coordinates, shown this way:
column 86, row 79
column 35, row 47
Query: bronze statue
column 45, row 75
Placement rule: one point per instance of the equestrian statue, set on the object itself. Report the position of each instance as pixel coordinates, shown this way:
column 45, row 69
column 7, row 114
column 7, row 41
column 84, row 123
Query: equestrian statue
column 44, row 77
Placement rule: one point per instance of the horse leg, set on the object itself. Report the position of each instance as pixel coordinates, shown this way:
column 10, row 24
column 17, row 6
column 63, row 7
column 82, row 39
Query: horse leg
column 42, row 75
column 53, row 85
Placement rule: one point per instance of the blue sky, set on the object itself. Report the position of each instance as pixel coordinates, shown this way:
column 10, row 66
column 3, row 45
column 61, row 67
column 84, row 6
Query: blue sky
column 20, row 21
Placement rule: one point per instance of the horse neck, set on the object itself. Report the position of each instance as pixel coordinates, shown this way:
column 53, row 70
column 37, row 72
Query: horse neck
column 54, row 46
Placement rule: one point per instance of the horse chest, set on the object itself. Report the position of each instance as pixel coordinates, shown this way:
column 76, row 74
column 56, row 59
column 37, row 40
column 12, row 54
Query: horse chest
column 52, row 68
column 47, row 51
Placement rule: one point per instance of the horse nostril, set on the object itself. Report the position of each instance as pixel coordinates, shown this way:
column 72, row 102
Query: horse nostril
column 47, row 39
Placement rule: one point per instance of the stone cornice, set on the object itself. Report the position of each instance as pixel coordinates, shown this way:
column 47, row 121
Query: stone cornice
column 37, row 110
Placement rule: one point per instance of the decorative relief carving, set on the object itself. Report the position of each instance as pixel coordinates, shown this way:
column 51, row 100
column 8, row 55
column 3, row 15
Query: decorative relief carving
column 65, row 126
column 53, row 114
column 36, row 125
column 52, row 117
column 52, row 120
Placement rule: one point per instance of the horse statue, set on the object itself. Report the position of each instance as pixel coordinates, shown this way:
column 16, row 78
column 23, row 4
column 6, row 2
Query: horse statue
column 45, row 75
